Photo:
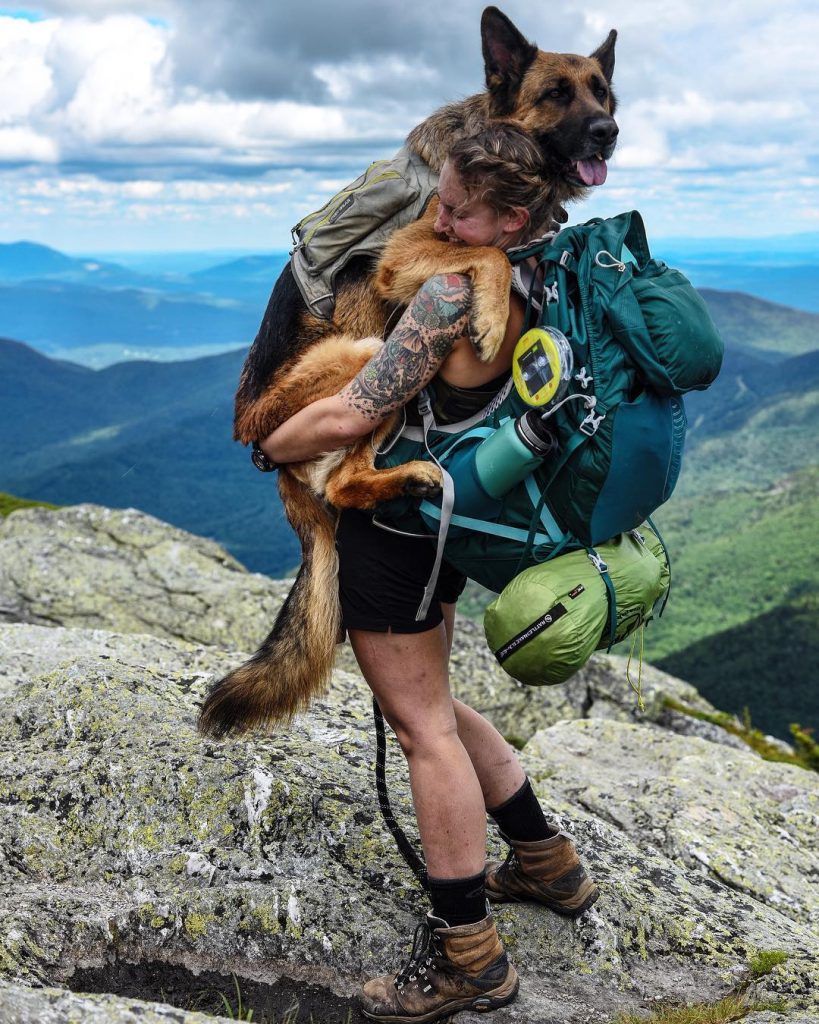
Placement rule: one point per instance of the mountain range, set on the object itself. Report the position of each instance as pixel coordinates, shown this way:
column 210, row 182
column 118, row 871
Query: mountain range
column 97, row 313
column 152, row 435
column 782, row 269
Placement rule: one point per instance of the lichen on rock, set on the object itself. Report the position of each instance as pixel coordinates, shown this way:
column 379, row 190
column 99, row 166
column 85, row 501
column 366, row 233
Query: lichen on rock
column 125, row 837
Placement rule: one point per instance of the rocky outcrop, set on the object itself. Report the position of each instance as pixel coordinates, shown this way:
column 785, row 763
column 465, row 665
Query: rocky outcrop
column 22, row 1005
column 124, row 570
column 126, row 840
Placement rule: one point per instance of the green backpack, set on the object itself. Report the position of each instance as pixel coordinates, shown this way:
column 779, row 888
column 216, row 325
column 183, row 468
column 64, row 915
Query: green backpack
column 641, row 336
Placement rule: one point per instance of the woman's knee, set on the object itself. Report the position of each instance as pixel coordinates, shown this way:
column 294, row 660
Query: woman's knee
column 424, row 735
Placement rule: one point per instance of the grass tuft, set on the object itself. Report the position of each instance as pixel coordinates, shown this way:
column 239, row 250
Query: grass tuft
column 291, row 1016
column 241, row 1012
column 515, row 741
column 9, row 503
column 806, row 754
column 806, row 746
column 765, row 960
column 731, row 1008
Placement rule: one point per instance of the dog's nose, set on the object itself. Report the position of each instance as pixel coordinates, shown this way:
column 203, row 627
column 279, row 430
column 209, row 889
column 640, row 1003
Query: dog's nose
column 603, row 131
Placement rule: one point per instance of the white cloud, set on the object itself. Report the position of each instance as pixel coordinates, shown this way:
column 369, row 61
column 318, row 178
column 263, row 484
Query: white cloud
column 646, row 145
column 25, row 78
column 208, row 191
column 143, row 189
column 344, row 80
column 264, row 116
column 87, row 187
column 121, row 82
column 20, row 145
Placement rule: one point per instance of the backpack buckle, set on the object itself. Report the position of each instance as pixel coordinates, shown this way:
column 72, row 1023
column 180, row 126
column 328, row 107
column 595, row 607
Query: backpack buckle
column 583, row 378
column 424, row 403
column 591, row 423
column 597, row 562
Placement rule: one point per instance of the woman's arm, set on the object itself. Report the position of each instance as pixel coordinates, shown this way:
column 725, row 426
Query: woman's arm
column 434, row 321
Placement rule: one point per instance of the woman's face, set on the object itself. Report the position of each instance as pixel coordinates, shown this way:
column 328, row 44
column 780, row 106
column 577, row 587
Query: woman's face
column 473, row 222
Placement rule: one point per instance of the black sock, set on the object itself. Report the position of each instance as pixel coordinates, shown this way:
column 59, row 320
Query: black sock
column 521, row 817
column 458, row 900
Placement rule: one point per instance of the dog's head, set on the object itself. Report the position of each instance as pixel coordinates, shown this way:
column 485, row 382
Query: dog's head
column 565, row 101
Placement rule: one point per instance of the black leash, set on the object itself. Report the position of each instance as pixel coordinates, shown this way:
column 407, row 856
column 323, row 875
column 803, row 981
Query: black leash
column 414, row 862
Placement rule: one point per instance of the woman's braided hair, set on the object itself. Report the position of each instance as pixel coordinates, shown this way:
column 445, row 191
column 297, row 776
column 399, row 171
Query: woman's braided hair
column 502, row 166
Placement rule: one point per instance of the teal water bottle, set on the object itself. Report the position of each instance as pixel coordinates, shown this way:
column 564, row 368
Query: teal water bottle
column 514, row 451
column 484, row 473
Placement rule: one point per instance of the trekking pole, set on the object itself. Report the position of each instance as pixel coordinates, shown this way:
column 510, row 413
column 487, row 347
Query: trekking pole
column 414, row 862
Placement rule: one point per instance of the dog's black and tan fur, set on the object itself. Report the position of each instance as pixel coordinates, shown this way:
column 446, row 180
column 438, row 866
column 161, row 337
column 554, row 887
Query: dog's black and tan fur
column 566, row 103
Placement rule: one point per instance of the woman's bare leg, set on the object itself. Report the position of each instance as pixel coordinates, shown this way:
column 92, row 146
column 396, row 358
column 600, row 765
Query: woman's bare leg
column 409, row 677
column 495, row 762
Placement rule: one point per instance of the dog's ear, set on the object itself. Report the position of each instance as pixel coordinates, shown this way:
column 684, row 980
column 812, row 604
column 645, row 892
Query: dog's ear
column 507, row 55
column 604, row 55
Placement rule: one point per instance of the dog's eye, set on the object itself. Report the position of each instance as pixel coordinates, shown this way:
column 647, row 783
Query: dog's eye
column 601, row 93
column 561, row 93
column 558, row 93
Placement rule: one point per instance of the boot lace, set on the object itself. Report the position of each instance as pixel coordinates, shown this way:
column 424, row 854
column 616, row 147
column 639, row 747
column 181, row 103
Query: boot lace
column 425, row 947
column 509, row 866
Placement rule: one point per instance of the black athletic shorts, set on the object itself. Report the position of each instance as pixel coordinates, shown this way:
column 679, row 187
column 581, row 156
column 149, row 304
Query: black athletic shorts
column 382, row 577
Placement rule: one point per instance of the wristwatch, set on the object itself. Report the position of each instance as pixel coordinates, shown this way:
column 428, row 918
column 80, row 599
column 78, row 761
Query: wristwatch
column 260, row 460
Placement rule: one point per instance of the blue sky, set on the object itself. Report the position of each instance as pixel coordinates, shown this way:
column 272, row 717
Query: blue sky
column 176, row 124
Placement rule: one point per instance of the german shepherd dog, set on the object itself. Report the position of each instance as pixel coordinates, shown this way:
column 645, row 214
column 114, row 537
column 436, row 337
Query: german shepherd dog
column 566, row 103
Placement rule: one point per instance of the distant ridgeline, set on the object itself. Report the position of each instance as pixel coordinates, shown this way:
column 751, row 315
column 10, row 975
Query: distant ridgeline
column 155, row 436
column 97, row 313
column 742, row 620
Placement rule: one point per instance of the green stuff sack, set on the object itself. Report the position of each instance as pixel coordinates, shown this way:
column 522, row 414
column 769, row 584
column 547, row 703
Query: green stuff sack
column 548, row 621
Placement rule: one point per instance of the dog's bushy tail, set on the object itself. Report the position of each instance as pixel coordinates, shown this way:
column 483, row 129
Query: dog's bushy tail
column 294, row 663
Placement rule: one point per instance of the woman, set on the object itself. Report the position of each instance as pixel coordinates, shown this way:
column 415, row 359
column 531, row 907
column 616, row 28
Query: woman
column 490, row 193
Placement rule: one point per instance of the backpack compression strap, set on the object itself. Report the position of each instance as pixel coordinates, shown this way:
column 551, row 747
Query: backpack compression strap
column 447, row 504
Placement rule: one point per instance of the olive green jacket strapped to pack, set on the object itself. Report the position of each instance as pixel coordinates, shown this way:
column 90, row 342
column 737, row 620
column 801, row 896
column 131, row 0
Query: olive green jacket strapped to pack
column 357, row 222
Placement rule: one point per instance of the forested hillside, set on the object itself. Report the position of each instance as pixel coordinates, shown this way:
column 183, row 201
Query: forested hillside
column 741, row 622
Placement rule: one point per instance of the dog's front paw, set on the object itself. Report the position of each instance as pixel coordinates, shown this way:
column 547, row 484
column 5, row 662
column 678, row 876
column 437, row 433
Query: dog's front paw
column 423, row 480
column 486, row 336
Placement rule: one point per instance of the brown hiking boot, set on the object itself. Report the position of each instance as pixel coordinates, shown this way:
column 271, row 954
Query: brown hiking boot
column 450, row 969
column 548, row 871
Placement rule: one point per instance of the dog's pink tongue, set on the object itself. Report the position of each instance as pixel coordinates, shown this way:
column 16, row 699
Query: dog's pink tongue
column 592, row 172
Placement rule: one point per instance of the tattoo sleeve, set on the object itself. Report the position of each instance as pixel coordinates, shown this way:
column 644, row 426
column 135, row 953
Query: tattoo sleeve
column 424, row 336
